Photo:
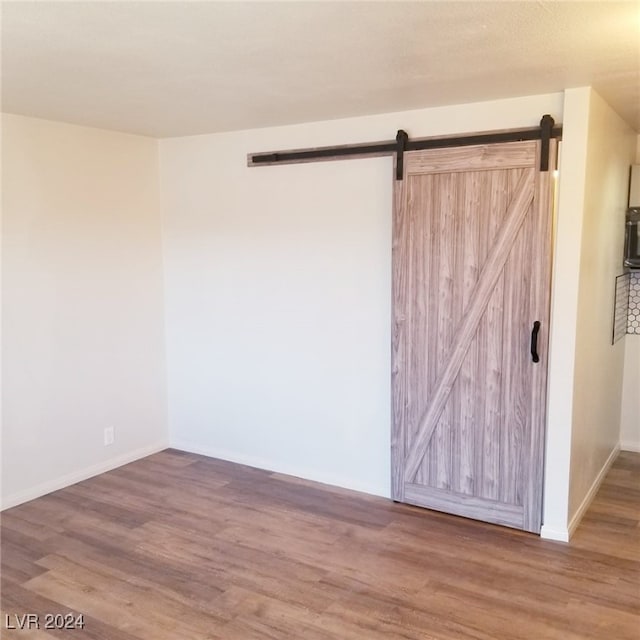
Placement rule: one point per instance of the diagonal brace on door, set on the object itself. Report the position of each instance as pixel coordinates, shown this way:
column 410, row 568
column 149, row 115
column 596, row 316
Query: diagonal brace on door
column 516, row 213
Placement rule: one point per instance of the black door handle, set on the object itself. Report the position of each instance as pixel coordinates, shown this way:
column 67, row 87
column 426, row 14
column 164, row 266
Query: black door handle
column 534, row 342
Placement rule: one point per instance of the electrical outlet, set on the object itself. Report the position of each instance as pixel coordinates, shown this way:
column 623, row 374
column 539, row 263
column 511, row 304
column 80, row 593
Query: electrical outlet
column 109, row 436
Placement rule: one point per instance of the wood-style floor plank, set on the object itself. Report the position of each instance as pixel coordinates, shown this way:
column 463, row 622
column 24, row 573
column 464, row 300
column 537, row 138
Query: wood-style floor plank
column 181, row 546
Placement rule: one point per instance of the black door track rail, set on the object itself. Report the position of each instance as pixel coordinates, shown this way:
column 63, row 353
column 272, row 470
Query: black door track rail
column 544, row 133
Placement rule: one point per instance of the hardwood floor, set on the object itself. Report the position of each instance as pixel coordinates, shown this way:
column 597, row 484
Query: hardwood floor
column 178, row 546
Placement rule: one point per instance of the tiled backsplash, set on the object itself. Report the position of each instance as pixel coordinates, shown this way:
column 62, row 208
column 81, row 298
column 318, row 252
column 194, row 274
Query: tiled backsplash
column 621, row 307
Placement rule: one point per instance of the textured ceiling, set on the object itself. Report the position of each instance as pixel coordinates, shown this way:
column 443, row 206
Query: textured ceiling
column 179, row 68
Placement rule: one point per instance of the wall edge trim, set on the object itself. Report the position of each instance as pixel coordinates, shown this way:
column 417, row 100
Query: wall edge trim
column 551, row 533
column 591, row 494
column 69, row 479
column 286, row 469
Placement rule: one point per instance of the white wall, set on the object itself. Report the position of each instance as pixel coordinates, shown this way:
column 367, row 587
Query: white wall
column 586, row 371
column 630, row 414
column 564, row 310
column 278, row 292
column 82, row 303
column 599, row 365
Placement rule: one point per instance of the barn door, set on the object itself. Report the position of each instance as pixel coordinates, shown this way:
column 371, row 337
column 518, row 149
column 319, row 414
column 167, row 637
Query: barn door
column 471, row 280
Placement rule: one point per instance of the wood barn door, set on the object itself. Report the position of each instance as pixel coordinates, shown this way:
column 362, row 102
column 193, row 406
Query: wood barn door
column 471, row 276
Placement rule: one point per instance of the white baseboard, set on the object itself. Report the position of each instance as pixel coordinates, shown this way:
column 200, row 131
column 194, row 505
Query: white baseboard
column 287, row 469
column 591, row 494
column 78, row 476
column 548, row 533
column 630, row 446
column 564, row 534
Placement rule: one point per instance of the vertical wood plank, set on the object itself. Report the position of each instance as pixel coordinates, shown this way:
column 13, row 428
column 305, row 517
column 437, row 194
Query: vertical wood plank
column 515, row 419
column 440, row 447
column 468, row 264
column 400, row 285
column 491, row 347
column 432, row 192
column 540, row 304
column 426, row 232
column 490, row 359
